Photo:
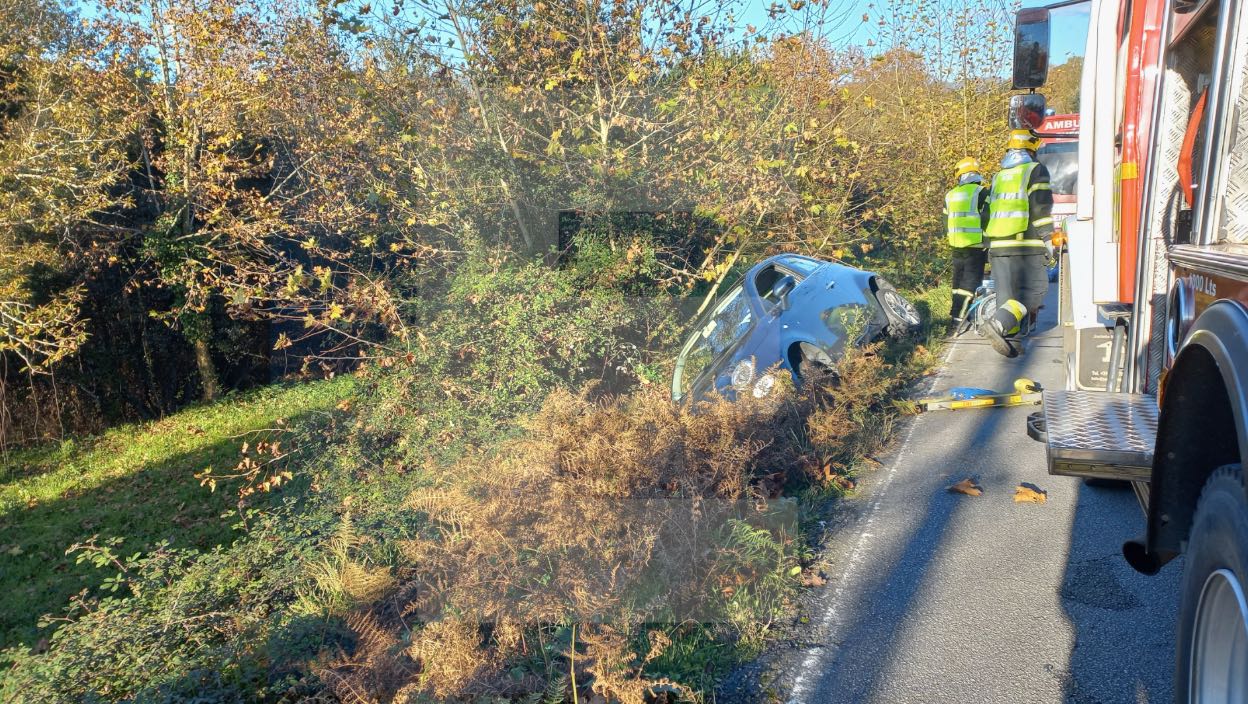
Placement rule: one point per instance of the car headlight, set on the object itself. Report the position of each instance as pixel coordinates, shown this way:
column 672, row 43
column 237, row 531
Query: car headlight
column 743, row 373
column 764, row 385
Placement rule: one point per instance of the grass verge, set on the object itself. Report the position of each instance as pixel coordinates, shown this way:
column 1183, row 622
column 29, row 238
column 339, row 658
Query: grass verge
column 136, row 482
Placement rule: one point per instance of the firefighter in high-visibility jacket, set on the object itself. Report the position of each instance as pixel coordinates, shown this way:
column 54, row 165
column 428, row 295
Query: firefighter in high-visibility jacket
column 1019, row 230
column 966, row 215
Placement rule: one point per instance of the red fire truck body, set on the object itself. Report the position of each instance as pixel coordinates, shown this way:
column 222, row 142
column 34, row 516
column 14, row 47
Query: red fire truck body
column 1154, row 301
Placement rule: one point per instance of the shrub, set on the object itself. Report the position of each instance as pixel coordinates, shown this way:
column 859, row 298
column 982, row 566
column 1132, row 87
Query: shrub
column 504, row 336
column 606, row 514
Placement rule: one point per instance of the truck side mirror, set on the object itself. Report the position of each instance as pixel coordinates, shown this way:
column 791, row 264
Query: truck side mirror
column 1027, row 111
column 1031, row 48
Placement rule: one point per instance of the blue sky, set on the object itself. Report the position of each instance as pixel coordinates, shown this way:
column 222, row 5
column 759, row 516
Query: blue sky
column 1069, row 25
column 1069, row 31
column 844, row 18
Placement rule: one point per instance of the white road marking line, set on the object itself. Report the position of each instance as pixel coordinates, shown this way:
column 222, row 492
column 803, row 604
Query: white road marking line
column 802, row 682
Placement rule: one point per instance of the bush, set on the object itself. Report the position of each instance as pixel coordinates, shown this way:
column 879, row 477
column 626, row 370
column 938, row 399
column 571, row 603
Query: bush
column 504, row 335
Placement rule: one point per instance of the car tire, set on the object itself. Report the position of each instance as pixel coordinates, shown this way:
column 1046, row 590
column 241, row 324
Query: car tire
column 814, row 363
column 903, row 318
column 1210, row 662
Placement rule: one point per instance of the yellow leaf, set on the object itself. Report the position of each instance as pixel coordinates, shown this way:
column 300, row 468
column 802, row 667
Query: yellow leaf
column 1030, row 494
column 335, row 311
column 966, row 486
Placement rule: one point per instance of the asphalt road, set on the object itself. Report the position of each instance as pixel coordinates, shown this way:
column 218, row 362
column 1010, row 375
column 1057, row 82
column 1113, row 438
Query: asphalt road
column 940, row 597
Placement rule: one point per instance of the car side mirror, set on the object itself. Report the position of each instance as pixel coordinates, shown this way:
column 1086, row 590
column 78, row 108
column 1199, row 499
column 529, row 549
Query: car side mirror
column 781, row 289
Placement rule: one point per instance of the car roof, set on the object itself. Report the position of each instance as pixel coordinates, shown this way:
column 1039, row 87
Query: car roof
column 789, row 259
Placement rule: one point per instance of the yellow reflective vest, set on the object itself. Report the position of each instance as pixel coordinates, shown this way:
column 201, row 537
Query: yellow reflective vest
column 1009, row 212
column 962, row 216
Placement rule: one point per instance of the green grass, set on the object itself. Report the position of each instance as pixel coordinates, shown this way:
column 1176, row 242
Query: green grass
column 135, row 482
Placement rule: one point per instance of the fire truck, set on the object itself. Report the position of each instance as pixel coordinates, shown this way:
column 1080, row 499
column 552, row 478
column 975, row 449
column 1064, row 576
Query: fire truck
column 1060, row 155
column 1154, row 300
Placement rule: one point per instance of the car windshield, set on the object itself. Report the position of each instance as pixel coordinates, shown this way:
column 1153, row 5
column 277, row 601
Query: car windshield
column 728, row 324
column 1062, row 161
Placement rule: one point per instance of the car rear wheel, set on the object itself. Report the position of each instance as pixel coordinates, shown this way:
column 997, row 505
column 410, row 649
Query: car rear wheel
column 1212, row 658
column 902, row 316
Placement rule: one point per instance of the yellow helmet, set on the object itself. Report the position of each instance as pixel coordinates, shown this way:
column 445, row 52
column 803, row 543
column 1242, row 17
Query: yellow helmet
column 968, row 165
column 1023, row 139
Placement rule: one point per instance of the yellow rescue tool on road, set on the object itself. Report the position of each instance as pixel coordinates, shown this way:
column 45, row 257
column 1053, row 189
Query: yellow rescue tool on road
column 1026, row 393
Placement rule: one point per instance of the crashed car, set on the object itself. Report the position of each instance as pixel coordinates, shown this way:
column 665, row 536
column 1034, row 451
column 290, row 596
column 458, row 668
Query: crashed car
column 791, row 314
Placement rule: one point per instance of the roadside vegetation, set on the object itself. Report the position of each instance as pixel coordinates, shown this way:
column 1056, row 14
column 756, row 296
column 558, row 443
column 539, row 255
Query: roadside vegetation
column 429, row 546
column 334, row 338
column 136, row 483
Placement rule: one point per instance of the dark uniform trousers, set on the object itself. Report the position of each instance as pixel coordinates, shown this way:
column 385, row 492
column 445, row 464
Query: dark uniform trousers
column 1022, row 278
column 968, row 275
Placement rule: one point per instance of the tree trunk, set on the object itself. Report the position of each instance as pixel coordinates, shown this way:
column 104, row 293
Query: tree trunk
column 207, row 370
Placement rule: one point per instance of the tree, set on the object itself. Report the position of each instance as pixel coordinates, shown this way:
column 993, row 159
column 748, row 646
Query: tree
column 64, row 132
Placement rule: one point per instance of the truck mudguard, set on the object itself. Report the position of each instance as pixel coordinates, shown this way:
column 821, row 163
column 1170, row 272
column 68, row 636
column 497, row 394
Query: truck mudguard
column 1202, row 425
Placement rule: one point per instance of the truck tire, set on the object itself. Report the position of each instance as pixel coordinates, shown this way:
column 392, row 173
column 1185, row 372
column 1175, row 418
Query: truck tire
column 1211, row 663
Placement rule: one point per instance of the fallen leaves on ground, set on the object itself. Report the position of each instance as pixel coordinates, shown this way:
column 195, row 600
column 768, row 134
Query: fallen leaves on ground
column 812, row 579
column 967, row 486
column 1030, row 493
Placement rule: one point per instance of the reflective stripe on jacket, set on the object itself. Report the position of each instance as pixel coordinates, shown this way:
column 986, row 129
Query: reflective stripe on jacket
column 962, row 216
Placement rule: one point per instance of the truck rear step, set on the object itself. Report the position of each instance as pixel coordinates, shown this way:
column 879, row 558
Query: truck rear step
column 1099, row 434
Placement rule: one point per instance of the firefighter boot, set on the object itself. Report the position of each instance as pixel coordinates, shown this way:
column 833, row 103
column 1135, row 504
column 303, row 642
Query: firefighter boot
column 1006, row 323
column 992, row 332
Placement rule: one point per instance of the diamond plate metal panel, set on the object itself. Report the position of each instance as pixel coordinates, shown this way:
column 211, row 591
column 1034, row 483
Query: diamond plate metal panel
column 1098, row 428
column 1184, row 66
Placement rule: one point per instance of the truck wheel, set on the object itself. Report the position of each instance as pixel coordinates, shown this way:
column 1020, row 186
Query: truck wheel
column 1212, row 654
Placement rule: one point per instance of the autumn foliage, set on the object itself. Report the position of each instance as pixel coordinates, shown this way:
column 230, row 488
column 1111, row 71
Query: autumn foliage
column 607, row 518
column 242, row 186
column 497, row 215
